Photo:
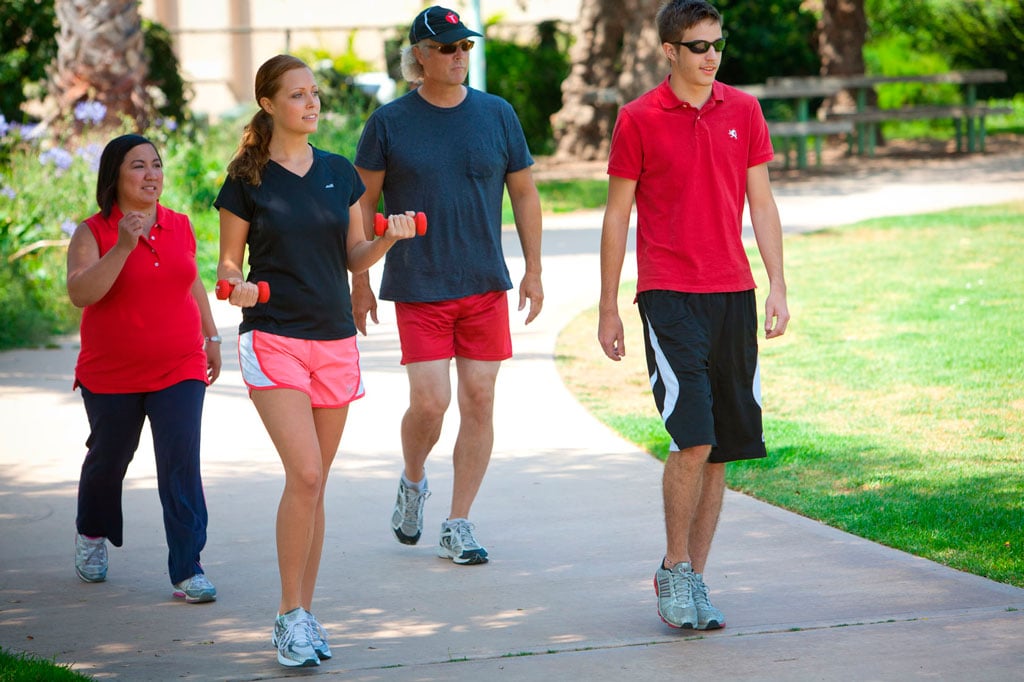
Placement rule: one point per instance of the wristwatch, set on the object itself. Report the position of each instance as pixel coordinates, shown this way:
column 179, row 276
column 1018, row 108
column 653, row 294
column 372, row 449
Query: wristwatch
column 213, row 339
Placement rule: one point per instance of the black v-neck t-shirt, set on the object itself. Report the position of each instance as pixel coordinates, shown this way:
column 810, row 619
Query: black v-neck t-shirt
column 298, row 228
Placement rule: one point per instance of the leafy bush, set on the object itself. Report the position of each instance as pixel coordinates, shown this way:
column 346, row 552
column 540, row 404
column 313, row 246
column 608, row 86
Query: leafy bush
column 530, row 78
column 28, row 30
column 984, row 34
column 897, row 55
column 334, row 73
column 767, row 38
column 164, row 73
column 47, row 187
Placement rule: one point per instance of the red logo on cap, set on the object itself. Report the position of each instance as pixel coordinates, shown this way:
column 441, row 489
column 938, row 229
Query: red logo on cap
column 452, row 18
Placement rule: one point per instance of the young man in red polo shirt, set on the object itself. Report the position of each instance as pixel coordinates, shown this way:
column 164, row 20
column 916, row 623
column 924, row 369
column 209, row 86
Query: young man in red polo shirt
column 688, row 152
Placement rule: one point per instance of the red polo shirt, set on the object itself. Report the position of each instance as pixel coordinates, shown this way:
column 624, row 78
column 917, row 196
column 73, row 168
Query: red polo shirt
column 146, row 333
column 691, row 171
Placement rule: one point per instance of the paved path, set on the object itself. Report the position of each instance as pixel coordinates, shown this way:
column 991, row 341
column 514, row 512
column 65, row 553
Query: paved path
column 570, row 513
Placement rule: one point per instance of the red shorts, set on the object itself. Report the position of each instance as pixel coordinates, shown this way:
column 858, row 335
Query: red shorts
column 326, row 371
column 474, row 327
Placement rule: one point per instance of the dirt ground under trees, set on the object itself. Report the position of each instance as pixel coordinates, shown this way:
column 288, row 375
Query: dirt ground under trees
column 895, row 154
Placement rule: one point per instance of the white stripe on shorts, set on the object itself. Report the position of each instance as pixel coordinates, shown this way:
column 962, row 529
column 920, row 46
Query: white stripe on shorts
column 668, row 378
column 252, row 373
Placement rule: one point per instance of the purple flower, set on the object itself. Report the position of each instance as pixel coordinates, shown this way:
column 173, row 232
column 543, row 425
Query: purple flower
column 90, row 112
column 91, row 154
column 68, row 227
column 4, row 125
column 32, row 131
column 8, row 192
column 58, row 157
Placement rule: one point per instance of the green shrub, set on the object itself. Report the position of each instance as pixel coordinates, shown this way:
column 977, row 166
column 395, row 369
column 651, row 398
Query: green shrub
column 28, row 30
column 334, row 73
column 530, row 78
column 767, row 38
column 898, row 55
column 164, row 71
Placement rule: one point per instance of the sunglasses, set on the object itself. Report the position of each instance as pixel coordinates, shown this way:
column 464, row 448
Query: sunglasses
column 450, row 48
column 700, row 46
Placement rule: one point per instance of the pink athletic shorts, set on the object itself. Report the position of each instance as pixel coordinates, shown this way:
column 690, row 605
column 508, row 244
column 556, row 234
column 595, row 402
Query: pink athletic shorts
column 326, row 371
column 474, row 327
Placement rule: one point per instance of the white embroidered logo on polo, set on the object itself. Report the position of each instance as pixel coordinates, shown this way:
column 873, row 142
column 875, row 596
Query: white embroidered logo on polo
column 330, row 186
column 733, row 135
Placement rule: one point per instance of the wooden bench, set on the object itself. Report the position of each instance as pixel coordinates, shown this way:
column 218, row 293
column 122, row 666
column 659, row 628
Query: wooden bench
column 788, row 132
column 797, row 133
column 869, row 119
column 866, row 119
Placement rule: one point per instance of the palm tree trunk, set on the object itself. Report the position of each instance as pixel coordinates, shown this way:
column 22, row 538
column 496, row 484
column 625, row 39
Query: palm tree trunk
column 101, row 57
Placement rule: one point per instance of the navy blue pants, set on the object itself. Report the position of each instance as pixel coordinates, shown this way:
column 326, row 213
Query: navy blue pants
column 115, row 422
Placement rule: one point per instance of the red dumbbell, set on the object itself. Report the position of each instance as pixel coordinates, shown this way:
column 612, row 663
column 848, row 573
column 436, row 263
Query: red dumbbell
column 380, row 224
column 224, row 289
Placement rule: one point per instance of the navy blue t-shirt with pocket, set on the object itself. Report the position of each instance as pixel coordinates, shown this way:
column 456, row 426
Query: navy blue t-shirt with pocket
column 451, row 164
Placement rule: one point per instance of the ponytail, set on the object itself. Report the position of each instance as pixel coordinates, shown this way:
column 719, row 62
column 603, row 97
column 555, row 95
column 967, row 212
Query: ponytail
column 253, row 151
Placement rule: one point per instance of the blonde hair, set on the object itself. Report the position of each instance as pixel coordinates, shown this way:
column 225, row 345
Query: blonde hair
column 253, row 151
column 412, row 70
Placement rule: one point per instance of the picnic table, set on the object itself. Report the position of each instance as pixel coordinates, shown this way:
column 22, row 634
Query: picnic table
column 866, row 119
column 804, row 128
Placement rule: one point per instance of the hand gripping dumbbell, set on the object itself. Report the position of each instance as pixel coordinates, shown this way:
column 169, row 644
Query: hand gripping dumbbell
column 224, row 289
column 380, row 224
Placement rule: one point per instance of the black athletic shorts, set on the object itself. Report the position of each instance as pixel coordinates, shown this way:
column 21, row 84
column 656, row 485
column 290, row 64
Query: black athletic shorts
column 702, row 361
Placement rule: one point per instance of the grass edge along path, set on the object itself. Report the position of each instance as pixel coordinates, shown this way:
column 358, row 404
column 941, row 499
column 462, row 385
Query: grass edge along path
column 894, row 404
column 16, row 667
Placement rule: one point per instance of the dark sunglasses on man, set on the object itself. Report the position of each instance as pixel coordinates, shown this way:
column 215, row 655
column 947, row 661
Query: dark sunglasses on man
column 465, row 45
column 700, row 46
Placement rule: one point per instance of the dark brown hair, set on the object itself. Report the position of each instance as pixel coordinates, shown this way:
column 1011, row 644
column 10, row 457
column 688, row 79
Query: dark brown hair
column 675, row 16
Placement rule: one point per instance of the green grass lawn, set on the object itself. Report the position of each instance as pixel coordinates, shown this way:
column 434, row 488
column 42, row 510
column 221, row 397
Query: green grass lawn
column 22, row 668
column 894, row 404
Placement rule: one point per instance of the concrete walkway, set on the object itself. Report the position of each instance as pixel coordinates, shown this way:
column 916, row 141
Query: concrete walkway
column 570, row 513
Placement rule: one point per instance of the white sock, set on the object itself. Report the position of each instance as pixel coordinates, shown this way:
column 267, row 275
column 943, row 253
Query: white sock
column 418, row 485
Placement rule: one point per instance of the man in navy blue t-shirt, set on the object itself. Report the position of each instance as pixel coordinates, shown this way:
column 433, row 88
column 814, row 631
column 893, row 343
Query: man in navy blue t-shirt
column 449, row 151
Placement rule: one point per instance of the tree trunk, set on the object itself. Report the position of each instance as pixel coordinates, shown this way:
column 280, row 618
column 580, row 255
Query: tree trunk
column 842, row 33
column 101, row 58
column 590, row 99
column 643, row 63
column 616, row 58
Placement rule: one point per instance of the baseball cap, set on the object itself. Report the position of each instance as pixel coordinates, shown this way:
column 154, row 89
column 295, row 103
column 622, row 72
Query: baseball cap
column 439, row 24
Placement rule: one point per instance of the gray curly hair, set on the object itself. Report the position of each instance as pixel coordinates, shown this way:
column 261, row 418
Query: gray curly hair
column 412, row 70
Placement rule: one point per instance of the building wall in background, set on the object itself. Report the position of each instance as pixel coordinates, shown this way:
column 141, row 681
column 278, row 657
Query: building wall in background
column 221, row 43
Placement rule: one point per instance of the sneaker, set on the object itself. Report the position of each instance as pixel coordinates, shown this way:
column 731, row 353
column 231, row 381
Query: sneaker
column 459, row 545
column 293, row 637
column 196, row 590
column 319, row 638
column 407, row 520
column 708, row 617
column 674, row 588
column 90, row 558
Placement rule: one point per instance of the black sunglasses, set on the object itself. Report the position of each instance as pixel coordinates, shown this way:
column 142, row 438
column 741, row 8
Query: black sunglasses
column 700, row 46
column 450, row 48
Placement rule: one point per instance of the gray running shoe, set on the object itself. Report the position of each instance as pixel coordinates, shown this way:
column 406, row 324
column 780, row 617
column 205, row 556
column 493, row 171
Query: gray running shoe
column 708, row 617
column 675, row 595
column 196, row 590
column 91, row 558
column 407, row 519
column 459, row 545
column 293, row 637
column 319, row 638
